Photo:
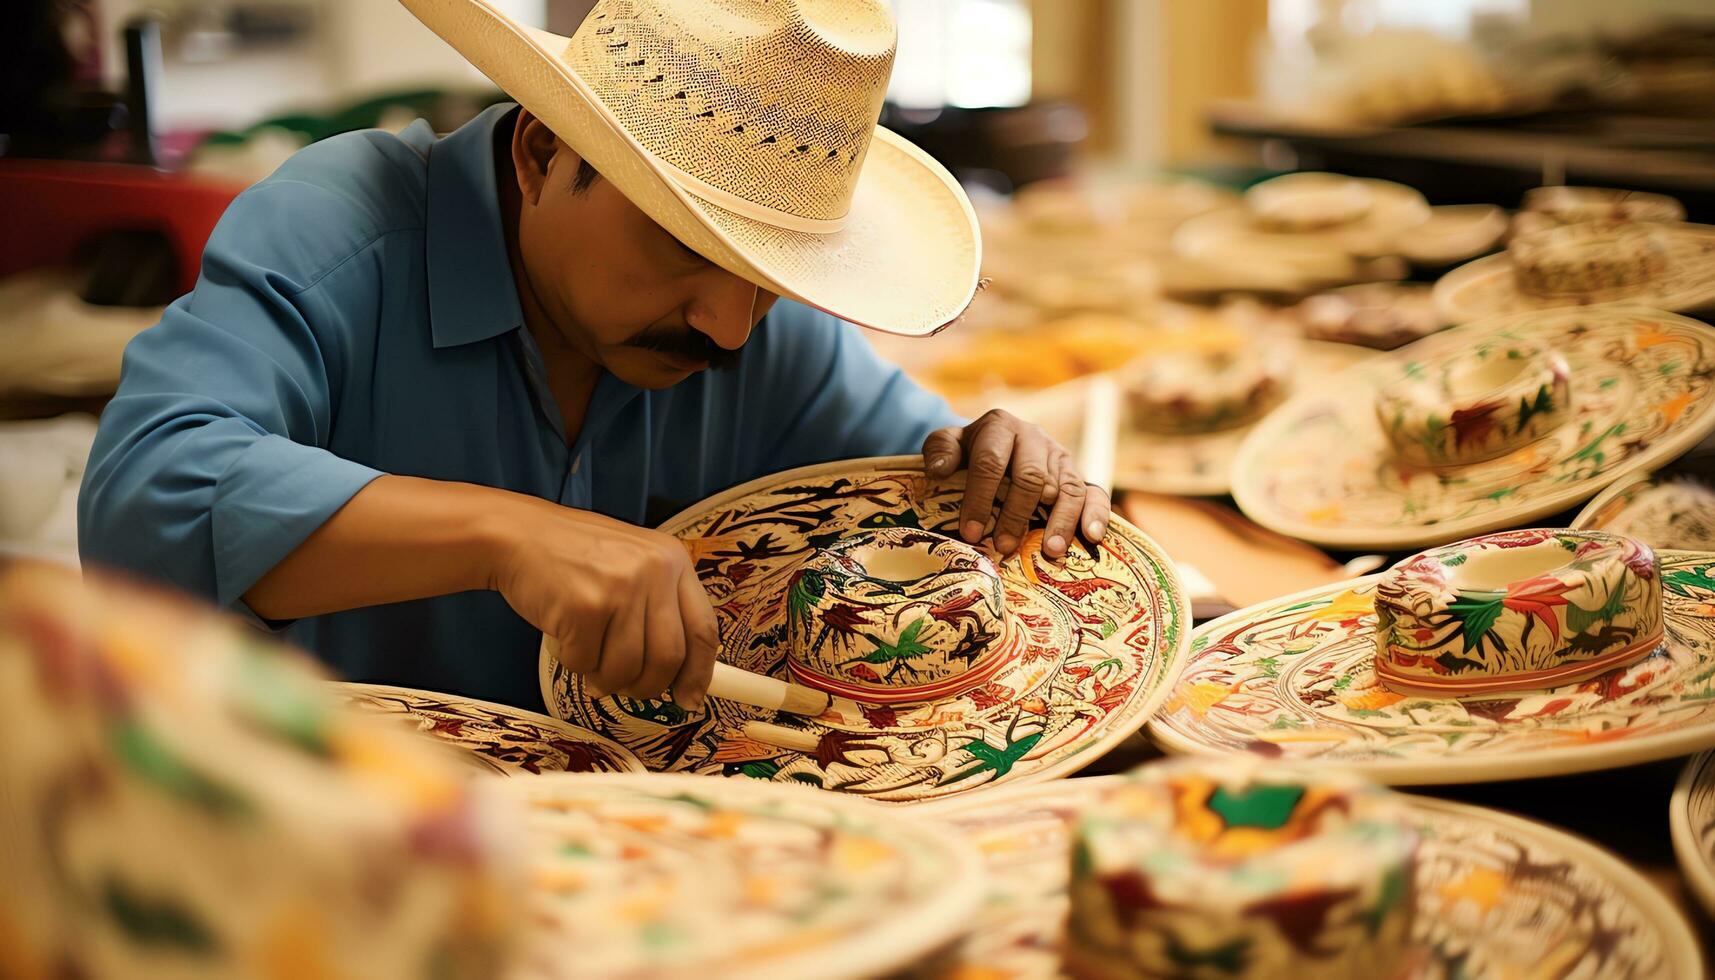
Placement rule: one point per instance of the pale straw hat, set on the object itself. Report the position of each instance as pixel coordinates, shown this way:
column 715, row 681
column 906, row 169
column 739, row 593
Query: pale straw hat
column 744, row 127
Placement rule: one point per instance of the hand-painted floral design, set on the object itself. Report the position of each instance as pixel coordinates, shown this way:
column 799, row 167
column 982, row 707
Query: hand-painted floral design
column 896, row 616
column 1293, row 679
column 1088, row 647
column 183, row 797
column 1430, row 419
column 655, row 876
column 495, row 738
column 1206, row 868
column 1591, row 602
column 1495, row 895
column 1661, row 511
column 1321, row 467
column 1202, row 464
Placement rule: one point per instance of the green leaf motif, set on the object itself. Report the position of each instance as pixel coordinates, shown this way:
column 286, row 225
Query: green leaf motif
column 1455, row 559
column 155, row 921
column 1579, row 619
column 155, row 762
column 1687, row 581
column 759, row 770
column 1478, row 612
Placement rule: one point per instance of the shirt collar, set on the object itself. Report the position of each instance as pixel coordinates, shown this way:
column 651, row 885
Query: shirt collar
column 472, row 295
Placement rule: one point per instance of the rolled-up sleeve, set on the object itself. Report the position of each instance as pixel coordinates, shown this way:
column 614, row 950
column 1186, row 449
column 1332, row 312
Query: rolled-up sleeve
column 210, row 466
column 828, row 395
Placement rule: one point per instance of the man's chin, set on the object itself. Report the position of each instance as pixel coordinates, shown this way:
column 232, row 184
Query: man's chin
column 653, row 376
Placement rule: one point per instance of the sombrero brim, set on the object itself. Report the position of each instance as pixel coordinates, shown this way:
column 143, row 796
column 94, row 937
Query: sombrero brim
column 1616, row 923
column 1454, row 233
column 1396, row 211
column 905, row 262
column 660, row 875
column 1129, row 623
column 1691, row 821
column 497, row 738
column 1687, row 520
column 1487, row 287
column 1320, row 469
column 1201, row 465
column 1292, row 679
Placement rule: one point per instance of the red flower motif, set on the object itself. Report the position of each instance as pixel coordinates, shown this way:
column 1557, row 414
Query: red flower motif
column 863, row 673
column 1473, row 425
column 1535, row 597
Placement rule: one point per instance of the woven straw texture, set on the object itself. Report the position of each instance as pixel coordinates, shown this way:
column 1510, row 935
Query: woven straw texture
column 810, row 73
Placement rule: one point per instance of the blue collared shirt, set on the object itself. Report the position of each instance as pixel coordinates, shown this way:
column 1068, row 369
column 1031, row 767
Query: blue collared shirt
column 356, row 315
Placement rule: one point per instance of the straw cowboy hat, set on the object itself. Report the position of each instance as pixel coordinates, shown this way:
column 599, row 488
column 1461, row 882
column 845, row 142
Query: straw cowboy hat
column 747, row 129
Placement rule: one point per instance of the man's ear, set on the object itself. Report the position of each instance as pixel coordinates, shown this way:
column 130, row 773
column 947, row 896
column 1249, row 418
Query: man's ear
column 533, row 146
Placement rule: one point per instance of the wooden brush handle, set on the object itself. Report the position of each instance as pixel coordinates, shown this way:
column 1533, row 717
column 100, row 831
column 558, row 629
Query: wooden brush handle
column 733, row 684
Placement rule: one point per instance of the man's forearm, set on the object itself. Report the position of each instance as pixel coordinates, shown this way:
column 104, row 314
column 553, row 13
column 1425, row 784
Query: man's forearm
column 398, row 538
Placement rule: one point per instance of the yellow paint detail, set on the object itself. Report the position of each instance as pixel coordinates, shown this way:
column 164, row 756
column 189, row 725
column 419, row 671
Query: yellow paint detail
column 1323, row 515
column 295, row 947
column 1482, row 887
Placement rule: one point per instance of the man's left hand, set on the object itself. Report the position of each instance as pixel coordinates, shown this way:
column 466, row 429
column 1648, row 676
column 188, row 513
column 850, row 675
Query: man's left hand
column 998, row 446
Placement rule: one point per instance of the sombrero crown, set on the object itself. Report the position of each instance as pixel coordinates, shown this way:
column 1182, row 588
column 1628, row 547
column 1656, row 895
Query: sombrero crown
column 701, row 87
column 747, row 129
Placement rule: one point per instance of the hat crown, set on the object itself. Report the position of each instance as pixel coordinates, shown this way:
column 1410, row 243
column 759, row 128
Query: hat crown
column 772, row 102
column 896, row 616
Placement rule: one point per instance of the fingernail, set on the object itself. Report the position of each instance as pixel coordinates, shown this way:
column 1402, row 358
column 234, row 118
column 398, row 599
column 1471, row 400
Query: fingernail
column 941, row 465
column 1097, row 528
column 972, row 531
column 1005, row 544
column 1056, row 546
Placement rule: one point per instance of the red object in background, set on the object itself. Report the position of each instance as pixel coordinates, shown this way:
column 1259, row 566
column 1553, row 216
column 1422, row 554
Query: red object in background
column 48, row 208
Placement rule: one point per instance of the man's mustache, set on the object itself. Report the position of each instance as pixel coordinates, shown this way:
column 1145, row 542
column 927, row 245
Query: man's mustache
column 684, row 342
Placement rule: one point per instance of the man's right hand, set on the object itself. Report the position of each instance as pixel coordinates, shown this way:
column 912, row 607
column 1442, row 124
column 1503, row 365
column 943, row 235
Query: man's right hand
column 622, row 602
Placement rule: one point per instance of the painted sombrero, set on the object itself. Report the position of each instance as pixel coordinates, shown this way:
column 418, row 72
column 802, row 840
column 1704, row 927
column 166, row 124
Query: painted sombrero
column 1661, row 511
column 181, row 796
column 494, row 738
column 1310, row 212
column 1188, row 415
column 1486, row 425
column 675, row 875
column 1524, row 653
column 1691, row 820
column 951, row 668
column 1496, row 895
column 1378, row 315
column 1663, row 265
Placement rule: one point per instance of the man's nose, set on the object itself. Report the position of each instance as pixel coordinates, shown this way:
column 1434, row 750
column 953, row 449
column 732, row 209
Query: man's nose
column 724, row 309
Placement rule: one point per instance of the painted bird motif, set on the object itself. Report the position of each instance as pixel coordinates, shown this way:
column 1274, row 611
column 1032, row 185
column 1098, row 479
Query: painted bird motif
column 896, row 657
column 957, row 609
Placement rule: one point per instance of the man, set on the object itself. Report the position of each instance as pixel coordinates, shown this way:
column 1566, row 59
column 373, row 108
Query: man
column 425, row 391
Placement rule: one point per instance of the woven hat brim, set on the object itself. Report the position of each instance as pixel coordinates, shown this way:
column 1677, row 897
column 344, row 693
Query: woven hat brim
column 906, row 261
column 1486, row 287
